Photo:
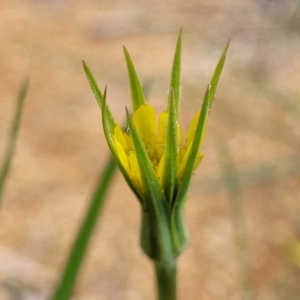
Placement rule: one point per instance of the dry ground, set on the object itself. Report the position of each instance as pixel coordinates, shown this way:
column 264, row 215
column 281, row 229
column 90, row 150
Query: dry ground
column 61, row 150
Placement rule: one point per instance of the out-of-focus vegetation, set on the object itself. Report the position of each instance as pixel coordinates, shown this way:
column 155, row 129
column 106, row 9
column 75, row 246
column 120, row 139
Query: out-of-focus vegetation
column 61, row 147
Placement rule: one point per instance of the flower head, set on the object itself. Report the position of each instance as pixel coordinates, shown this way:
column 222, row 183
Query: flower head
column 155, row 159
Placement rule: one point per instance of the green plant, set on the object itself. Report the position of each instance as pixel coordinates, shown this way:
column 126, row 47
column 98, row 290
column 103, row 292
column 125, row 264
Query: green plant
column 157, row 165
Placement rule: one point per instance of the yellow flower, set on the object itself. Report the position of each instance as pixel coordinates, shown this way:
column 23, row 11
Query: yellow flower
column 153, row 137
column 154, row 159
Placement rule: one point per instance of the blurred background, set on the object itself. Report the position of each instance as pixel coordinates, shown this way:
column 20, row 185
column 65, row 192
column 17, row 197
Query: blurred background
column 243, row 206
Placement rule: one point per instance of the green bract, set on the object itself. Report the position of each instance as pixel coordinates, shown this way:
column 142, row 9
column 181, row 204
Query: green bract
column 155, row 161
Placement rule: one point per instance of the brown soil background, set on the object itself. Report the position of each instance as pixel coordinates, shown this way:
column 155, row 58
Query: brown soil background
column 61, row 148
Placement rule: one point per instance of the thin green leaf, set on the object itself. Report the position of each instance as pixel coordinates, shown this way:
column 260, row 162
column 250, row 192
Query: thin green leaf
column 11, row 146
column 175, row 75
column 97, row 93
column 171, row 152
column 155, row 206
column 67, row 282
column 217, row 73
column 199, row 133
column 137, row 94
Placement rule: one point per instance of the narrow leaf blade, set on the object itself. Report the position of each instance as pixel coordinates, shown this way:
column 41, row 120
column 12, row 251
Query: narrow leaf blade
column 137, row 94
column 68, row 279
column 11, row 146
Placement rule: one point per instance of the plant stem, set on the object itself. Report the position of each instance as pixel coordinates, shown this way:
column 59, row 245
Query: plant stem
column 166, row 280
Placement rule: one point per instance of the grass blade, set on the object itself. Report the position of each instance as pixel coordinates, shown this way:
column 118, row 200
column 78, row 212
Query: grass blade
column 231, row 181
column 68, row 279
column 13, row 136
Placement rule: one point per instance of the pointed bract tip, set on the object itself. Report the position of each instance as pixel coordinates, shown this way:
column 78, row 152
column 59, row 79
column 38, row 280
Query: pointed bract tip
column 127, row 112
column 124, row 49
column 25, row 81
column 84, row 64
column 104, row 96
column 227, row 45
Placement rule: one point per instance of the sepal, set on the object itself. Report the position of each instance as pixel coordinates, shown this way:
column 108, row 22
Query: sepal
column 175, row 75
column 155, row 230
column 193, row 150
column 170, row 157
column 137, row 93
column 97, row 93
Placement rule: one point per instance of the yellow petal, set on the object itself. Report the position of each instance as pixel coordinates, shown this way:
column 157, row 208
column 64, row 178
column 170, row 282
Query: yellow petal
column 160, row 169
column 184, row 158
column 122, row 156
column 198, row 160
column 133, row 164
column 144, row 120
column 119, row 135
column 135, row 172
column 191, row 131
column 129, row 142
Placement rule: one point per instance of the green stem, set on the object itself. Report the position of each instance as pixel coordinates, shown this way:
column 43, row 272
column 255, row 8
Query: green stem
column 166, row 280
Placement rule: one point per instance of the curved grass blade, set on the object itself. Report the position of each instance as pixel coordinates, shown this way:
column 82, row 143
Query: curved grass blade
column 175, row 75
column 13, row 136
column 68, row 279
column 217, row 73
column 97, row 93
column 137, row 94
